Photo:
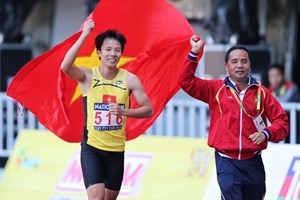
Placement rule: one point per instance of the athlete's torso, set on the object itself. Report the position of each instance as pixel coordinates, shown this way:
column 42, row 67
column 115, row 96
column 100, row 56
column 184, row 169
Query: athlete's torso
column 104, row 130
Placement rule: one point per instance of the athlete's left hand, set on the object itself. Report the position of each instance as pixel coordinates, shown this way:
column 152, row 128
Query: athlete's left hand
column 115, row 109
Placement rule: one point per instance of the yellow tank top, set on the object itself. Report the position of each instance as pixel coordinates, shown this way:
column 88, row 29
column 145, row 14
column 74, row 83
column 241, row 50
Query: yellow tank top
column 106, row 131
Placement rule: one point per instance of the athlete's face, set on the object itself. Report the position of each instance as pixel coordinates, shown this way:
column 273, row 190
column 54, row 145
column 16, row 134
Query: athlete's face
column 110, row 52
column 238, row 65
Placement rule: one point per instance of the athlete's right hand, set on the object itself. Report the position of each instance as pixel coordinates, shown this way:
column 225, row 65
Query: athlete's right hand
column 87, row 27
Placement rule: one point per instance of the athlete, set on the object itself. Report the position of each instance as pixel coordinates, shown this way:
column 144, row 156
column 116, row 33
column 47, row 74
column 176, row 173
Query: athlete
column 106, row 90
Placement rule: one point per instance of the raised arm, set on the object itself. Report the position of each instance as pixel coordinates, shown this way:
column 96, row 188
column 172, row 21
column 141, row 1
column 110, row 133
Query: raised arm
column 67, row 64
column 194, row 86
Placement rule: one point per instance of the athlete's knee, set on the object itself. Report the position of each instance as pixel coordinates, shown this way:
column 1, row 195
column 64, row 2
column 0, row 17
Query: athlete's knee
column 111, row 194
column 96, row 192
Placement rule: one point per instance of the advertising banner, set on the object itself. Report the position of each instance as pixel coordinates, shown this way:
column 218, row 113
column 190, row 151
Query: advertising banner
column 42, row 166
column 282, row 166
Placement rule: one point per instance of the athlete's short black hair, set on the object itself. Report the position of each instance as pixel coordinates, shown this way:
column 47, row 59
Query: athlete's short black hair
column 110, row 33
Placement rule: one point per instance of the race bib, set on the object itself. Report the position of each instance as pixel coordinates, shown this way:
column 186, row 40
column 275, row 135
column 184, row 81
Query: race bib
column 104, row 120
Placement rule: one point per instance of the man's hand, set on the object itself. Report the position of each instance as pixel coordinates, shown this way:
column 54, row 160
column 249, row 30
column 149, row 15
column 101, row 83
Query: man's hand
column 197, row 43
column 257, row 137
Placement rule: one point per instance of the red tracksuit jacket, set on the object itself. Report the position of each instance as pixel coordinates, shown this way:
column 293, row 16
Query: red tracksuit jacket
column 230, row 126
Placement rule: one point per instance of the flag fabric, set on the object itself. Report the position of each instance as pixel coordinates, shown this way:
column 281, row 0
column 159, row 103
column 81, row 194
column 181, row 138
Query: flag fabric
column 157, row 43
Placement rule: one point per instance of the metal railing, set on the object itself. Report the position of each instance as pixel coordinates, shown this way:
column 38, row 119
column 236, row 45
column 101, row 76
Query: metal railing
column 12, row 120
column 180, row 117
column 190, row 118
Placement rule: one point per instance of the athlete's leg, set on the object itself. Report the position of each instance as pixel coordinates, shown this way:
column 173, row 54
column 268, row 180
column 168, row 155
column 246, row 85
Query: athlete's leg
column 96, row 191
column 114, row 176
column 111, row 194
column 93, row 171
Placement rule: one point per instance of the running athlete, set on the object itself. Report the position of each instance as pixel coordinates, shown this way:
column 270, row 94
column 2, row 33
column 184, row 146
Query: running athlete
column 106, row 90
column 239, row 109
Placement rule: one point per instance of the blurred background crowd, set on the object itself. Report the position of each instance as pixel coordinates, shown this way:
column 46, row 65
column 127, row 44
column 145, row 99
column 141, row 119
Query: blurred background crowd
column 270, row 27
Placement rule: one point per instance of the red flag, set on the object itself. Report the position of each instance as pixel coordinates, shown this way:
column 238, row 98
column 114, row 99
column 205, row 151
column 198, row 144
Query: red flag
column 157, row 43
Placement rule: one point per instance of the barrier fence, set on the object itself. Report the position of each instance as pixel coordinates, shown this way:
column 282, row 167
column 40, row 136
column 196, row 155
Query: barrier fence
column 180, row 118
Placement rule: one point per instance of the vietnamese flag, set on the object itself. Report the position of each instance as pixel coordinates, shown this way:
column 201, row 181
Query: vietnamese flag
column 109, row 98
column 157, row 43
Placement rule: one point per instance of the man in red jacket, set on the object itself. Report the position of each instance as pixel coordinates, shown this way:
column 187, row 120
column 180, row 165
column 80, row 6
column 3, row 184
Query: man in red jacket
column 239, row 110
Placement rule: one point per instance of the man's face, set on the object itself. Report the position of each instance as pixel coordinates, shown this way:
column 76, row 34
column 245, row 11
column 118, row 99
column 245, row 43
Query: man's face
column 238, row 65
column 275, row 78
column 110, row 52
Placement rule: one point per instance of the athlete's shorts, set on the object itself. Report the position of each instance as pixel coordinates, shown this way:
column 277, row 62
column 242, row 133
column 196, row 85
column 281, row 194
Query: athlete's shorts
column 100, row 166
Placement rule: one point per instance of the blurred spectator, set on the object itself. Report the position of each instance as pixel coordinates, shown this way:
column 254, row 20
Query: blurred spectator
column 283, row 90
column 13, row 13
column 234, row 20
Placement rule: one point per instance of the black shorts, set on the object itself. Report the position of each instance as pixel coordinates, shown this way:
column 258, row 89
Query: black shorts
column 99, row 166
